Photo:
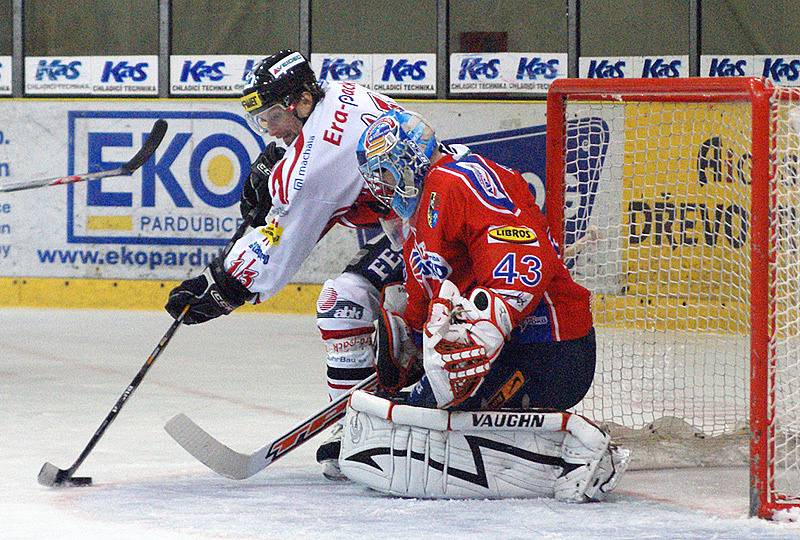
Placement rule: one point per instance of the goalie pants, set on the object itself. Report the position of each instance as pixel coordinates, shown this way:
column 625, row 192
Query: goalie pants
column 552, row 375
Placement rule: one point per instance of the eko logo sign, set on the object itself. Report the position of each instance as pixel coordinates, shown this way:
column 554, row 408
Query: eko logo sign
column 183, row 196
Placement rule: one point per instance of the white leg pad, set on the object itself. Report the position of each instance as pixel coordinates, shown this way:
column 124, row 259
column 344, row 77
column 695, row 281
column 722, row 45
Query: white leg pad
column 410, row 461
column 346, row 310
column 431, row 453
column 594, row 465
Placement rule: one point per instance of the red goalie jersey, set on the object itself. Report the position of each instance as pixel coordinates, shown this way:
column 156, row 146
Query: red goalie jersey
column 478, row 224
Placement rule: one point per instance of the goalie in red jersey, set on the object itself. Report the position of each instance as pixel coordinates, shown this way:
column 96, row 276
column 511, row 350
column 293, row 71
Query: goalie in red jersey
column 493, row 322
column 498, row 321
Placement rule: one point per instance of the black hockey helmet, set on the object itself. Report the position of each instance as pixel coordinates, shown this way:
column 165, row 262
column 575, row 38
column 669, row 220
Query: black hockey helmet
column 279, row 79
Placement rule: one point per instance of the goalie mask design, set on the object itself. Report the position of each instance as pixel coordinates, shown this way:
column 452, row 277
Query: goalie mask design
column 394, row 156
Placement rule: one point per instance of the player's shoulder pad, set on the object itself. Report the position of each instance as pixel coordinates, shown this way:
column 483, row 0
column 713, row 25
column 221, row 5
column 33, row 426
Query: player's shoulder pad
column 483, row 179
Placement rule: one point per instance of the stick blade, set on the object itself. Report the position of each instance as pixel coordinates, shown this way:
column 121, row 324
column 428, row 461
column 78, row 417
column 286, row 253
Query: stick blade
column 206, row 449
column 52, row 476
column 149, row 146
column 49, row 474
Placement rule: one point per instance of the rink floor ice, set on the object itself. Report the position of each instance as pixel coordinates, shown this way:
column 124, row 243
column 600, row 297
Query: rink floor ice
column 247, row 379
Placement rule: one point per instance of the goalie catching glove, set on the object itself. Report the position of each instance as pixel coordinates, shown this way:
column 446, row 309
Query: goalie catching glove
column 209, row 295
column 461, row 339
column 255, row 192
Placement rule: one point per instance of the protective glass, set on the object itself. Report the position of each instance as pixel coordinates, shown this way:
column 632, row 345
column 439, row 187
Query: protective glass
column 270, row 116
column 397, row 230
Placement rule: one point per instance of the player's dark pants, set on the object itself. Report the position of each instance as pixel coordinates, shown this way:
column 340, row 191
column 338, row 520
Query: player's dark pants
column 554, row 375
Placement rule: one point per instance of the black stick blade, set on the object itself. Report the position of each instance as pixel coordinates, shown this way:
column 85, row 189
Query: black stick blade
column 52, row 476
column 149, row 146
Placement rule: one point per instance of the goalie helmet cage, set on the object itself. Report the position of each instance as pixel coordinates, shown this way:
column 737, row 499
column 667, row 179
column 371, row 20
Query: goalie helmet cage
column 677, row 205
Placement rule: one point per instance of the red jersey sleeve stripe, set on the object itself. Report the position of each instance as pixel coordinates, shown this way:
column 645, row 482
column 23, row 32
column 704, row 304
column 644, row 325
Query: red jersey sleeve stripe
column 298, row 148
column 277, row 181
column 553, row 317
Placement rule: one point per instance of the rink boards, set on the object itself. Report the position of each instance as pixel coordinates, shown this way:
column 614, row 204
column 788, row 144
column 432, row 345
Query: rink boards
column 122, row 242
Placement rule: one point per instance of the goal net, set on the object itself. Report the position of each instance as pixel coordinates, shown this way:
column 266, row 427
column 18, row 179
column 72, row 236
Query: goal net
column 676, row 202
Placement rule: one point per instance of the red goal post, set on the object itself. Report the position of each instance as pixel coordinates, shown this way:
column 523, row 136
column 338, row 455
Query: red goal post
column 677, row 202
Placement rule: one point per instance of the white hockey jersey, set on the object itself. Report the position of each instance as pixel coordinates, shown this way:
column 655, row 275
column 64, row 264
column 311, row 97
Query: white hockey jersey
column 314, row 186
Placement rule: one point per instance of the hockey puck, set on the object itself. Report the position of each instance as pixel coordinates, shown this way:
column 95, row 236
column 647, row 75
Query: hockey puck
column 80, row 481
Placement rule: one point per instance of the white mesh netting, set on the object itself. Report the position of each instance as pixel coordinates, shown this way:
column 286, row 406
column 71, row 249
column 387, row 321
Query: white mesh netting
column 784, row 304
column 657, row 224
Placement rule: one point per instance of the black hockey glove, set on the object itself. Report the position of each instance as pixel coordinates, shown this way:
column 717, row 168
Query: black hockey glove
column 209, row 295
column 255, row 193
column 398, row 359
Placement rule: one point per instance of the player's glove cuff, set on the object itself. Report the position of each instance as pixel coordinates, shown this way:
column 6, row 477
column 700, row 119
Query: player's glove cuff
column 255, row 192
column 209, row 295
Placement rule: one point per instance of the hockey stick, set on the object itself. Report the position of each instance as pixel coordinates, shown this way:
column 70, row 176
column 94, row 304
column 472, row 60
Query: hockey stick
column 150, row 144
column 50, row 475
column 232, row 464
column 229, row 463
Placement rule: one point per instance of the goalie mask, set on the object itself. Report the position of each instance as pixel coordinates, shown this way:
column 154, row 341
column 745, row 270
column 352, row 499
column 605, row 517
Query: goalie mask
column 275, row 84
column 394, row 156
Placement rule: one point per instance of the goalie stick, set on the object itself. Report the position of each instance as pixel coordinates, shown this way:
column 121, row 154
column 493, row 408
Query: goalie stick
column 150, row 144
column 50, row 475
column 235, row 465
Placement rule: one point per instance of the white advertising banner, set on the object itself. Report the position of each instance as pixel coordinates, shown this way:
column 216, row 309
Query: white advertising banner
column 57, row 75
column 605, row 67
column 356, row 68
column 91, row 75
column 222, row 75
column 530, row 73
column 404, row 74
column 5, row 75
column 620, row 67
column 782, row 69
column 124, row 75
column 392, row 74
column 726, row 66
column 174, row 214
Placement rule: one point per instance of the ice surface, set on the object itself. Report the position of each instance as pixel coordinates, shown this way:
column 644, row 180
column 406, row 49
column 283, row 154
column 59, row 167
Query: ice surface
column 246, row 379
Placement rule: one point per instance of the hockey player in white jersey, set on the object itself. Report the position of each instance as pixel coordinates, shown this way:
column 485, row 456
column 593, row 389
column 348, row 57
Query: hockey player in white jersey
column 296, row 196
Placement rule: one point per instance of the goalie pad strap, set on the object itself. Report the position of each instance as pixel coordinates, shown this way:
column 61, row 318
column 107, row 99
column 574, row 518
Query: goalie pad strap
column 441, row 420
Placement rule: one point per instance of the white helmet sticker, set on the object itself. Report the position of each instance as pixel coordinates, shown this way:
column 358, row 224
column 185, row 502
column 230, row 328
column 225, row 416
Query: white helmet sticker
column 287, row 63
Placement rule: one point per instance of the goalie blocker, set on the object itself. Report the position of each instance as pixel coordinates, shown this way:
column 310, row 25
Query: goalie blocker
column 432, row 453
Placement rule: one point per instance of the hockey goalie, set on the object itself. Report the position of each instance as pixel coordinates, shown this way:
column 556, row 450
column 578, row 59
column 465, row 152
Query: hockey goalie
column 495, row 340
